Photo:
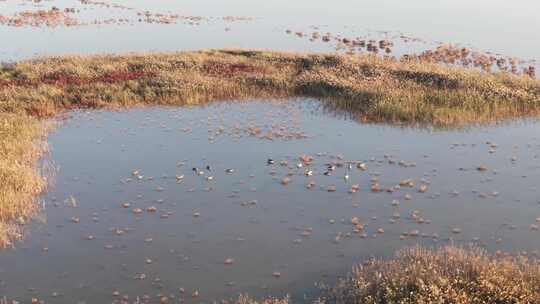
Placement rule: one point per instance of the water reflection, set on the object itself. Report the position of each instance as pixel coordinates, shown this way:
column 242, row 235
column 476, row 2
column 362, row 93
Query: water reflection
column 184, row 202
column 487, row 25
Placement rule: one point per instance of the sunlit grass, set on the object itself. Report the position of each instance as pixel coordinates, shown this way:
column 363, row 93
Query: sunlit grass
column 445, row 275
column 20, row 148
column 379, row 90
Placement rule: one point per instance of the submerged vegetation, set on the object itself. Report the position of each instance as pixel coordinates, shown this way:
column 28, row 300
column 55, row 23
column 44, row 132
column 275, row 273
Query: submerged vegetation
column 445, row 275
column 369, row 88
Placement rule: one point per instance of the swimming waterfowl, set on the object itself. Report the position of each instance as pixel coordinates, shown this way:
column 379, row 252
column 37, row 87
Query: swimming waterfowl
column 482, row 168
column 361, row 166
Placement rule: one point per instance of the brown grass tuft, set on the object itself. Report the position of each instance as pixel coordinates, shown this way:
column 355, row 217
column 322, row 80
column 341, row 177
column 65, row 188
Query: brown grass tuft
column 21, row 144
column 445, row 275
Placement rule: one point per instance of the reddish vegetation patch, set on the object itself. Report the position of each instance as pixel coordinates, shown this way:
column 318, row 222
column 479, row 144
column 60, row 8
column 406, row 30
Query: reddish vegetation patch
column 230, row 70
column 443, row 53
column 67, row 17
column 41, row 18
column 61, row 78
column 4, row 83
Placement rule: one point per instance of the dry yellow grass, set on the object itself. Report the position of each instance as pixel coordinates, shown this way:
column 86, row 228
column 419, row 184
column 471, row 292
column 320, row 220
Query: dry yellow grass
column 370, row 88
column 375, row 89
column 21, row 144
column 445, row 275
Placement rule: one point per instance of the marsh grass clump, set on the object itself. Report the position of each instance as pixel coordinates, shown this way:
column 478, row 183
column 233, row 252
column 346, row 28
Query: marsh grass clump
column 21, row 145
column 445, row 275
column 369, row 88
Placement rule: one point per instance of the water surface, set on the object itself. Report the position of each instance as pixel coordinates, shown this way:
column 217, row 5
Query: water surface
column 507, row 27
column 87, row 246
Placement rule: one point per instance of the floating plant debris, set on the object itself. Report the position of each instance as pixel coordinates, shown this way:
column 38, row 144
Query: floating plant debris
column 40, row 18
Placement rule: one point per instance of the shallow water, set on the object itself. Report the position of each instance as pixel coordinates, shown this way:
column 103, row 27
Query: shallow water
column 507, row 27
column 249, row 216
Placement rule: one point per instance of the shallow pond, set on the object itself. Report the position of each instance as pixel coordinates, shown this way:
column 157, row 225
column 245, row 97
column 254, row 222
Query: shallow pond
column 219, row 232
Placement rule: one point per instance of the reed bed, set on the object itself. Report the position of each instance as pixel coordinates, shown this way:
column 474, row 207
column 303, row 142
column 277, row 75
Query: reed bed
column 21, row 144
column 445, row 275
column 372, row 89
column 376, row 89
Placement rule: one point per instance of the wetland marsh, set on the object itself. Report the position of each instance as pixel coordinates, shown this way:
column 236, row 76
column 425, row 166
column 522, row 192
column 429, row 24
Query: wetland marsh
column 240, row 175
column 242, row 229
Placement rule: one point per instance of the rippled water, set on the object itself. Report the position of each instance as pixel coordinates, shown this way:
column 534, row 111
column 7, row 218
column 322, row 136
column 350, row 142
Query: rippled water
column 249, row 216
